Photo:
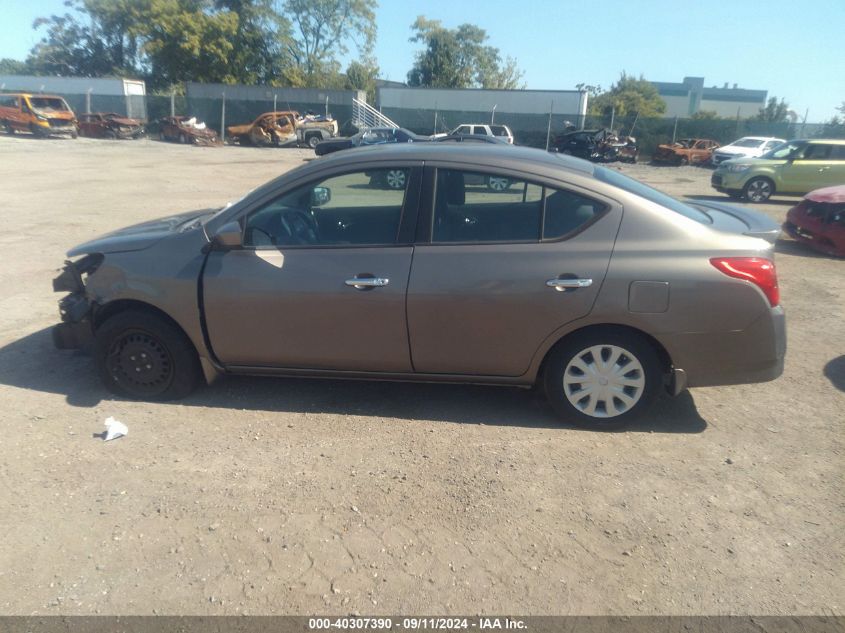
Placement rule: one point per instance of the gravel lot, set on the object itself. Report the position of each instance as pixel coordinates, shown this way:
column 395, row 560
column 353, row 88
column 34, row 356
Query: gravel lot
column 292, row 496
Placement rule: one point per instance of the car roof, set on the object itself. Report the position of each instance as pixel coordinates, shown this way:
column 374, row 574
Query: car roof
column 482, row 154
column 30, row 94
column 758, row 138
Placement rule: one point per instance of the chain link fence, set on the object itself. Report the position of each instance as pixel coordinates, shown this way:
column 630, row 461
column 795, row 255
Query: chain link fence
column 222, row 112
column 532, row 129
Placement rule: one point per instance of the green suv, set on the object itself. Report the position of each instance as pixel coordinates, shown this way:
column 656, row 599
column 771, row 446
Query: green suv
column 792, row 168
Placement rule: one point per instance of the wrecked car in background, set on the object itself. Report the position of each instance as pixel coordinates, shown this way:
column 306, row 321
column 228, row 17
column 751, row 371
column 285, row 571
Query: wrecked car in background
column 599, row 146
column 285, row 128
column 369, row 136
column 109, row 125
column 268, row 129
column 818, row 221
column 43, row 115
column 687, row 151
column 183, row 129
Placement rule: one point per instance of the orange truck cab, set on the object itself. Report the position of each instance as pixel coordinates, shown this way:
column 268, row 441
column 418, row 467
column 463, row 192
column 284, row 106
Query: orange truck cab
column 42, row 115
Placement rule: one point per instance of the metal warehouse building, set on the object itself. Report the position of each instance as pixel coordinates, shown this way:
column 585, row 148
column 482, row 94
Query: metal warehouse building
column 690, row 96
column 86, row 94
column 423, row 109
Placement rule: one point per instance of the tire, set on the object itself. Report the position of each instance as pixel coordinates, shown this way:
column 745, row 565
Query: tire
column 574, row 358
column 183, row 140
column 109, row 135
column 74, row 134
column 395, row 178
column 498, row 183
column 758, row 189
column 683, row 161
column 8, row 127
column 143, row 356
column 313, row 140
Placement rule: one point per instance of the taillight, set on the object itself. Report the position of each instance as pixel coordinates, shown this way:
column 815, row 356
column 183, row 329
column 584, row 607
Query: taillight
column 757, row 270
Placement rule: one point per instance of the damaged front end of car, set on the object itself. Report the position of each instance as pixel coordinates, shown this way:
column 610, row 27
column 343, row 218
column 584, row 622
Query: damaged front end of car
column 76, row 329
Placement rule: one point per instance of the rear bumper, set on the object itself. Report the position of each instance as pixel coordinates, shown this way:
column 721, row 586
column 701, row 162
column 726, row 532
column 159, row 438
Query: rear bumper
column 753, row 355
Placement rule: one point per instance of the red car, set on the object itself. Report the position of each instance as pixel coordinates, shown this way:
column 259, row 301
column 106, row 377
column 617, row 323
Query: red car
column 819, row 220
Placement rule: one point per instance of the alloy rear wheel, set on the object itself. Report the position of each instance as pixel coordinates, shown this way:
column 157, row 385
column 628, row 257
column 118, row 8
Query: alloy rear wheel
column 758, row 190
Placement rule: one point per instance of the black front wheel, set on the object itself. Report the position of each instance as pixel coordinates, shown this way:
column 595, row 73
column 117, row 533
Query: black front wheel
column 144, row 356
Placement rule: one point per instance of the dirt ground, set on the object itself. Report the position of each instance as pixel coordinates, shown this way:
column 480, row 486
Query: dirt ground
column 284, row 496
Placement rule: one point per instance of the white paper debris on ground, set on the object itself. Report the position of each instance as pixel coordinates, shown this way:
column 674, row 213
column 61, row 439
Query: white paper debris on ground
column 115, row 429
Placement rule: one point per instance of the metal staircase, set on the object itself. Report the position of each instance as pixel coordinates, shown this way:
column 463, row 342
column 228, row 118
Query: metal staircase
column 365, row 115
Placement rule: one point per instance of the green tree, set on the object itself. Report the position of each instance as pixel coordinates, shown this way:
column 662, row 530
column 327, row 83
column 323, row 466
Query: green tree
column 592, row 90
column 834, row 127
column 362, row 75
column 459, row 58
column 774, row 112
column 323, row 30
column 261, row 42
column 185, row 42
column 629, row 96
column 98, row 38
column 705, row 115
column 10, row 66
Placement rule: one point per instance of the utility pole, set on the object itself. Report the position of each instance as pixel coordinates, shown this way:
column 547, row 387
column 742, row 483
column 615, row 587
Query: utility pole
column 493, row 114
column 675, row 131
column 172, row 103
column 612, row 116
column 549, row 127
column 223, row 120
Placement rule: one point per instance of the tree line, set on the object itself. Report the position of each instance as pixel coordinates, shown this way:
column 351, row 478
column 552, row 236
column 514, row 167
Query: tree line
column 286, row 43
column 290, row 43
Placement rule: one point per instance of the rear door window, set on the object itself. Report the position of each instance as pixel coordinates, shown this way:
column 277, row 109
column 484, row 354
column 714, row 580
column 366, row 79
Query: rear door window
column 486, row 208
column 817, row 151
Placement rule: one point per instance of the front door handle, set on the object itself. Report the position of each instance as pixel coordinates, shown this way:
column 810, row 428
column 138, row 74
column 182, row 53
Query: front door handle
column 562, row 285
column 367, row 283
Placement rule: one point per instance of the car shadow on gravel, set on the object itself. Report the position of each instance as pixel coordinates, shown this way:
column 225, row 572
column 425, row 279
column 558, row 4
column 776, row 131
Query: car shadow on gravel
column 834, row 371
column 33, row 363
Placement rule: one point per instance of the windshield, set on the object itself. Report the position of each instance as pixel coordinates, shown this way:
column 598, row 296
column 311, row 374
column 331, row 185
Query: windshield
column 785, row 150
column 630, row 185
column 748, row 142
column 49, row 103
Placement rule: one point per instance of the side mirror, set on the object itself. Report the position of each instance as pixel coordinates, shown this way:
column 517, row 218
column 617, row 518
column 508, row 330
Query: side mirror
column 320, row 196
column 230, row 235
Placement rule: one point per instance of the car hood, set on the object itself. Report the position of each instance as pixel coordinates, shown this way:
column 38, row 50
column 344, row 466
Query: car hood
column 739, row 151
column 733, row 219
column 141, row 236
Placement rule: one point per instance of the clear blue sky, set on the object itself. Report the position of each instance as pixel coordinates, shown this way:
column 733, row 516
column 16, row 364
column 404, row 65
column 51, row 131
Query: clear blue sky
column 794, row 49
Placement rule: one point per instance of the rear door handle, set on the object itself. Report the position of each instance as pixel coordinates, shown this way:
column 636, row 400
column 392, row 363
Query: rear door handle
column 568, row 284
column 367, row 283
